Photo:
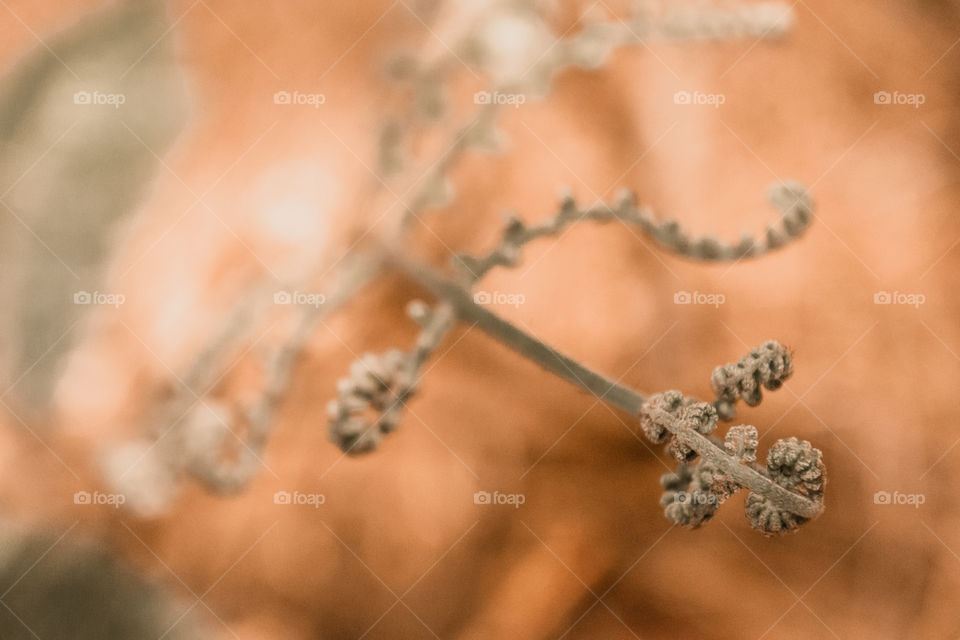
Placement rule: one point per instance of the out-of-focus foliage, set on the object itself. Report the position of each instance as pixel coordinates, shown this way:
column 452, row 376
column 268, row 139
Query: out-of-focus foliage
column 58, row 210
column 56, row 590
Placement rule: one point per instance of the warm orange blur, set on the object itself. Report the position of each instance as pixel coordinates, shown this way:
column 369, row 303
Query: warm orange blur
column 874, row 388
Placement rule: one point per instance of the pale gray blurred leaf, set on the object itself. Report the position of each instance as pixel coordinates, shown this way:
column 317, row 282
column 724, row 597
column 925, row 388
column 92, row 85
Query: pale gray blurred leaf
column 71, row 166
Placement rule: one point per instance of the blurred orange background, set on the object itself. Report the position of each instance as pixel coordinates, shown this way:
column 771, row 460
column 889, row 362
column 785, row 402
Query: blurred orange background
column 237, row 191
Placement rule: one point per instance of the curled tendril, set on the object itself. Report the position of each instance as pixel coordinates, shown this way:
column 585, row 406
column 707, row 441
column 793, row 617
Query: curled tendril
column 795, row 465
column 791, row 198
column 694, row 492
column 671, row 406
column 687, row 499
column 370, row 400
column 766, row 366
column 651, row 421
column 769, row 519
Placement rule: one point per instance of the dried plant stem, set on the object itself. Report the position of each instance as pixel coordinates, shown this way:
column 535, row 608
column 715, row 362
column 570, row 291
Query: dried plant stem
column 790, row 198
column 436, row 324
column 527, row 345
column 227, row 477
column 436, row 188
column 354, row 276
column 603, row 387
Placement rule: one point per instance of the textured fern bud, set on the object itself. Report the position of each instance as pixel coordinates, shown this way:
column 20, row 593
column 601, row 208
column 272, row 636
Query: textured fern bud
column 767, row 518
column 784, row 495
column 766, row 366
column 701, row 417
column 742, row 442
column 651, row 419
column 680, row 451
column 688, row 499
column 794, row 465
column 369, row 400
column 698, row 416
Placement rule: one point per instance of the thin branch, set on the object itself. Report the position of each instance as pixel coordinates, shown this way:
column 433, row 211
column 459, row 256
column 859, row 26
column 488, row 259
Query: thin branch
column 790, row 198
column 603, row 387
column 522, row 342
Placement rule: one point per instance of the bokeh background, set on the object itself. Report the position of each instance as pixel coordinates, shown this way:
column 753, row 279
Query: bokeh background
column 181, row 195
